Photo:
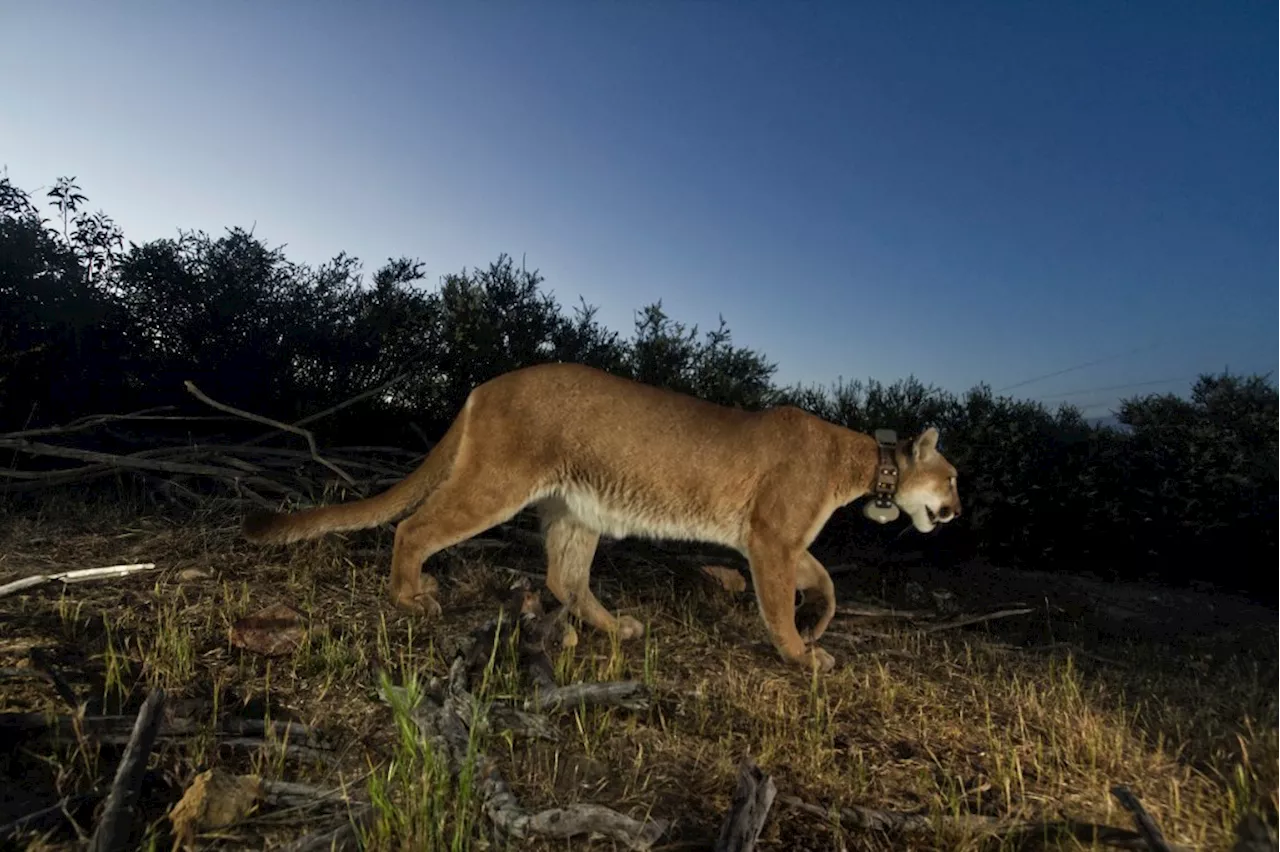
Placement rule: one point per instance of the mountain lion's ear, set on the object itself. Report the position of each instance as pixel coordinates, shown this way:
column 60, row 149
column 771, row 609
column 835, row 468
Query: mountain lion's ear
column 925, row 446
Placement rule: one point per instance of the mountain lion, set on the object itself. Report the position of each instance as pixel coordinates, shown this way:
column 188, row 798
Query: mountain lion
column 602, row 455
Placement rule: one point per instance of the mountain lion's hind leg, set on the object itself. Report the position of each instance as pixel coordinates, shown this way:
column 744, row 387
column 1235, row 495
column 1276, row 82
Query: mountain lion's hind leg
column 570, row 549
column 812, row 576
column 467, row 504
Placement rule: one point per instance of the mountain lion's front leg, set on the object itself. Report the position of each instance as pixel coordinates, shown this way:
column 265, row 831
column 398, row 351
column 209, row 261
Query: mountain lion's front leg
column 774, row 567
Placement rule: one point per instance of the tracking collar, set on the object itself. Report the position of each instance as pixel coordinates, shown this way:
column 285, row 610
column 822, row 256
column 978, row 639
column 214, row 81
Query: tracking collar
column 881, row 507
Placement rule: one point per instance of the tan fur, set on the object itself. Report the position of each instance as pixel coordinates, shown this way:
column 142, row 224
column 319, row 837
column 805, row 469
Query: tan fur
column 602, row 455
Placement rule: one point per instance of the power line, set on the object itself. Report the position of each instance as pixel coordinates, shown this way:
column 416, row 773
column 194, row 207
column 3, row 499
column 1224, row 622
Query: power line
column 1108, row 401
column 1085, row 391
column 1095, row 362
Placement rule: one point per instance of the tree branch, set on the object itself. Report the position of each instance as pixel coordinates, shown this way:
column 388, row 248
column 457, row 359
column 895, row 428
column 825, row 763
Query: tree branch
column 258, row 418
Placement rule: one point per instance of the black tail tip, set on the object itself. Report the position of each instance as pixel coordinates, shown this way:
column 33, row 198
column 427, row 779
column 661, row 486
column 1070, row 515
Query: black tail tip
column 258, row 526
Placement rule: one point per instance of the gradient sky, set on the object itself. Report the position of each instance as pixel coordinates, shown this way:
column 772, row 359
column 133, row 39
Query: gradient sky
column 965, row 192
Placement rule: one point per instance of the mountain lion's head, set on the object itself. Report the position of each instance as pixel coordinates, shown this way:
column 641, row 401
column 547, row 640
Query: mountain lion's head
column 926, row 483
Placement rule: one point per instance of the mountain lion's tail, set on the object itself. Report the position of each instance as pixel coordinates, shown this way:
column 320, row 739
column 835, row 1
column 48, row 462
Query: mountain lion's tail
column 286, row 527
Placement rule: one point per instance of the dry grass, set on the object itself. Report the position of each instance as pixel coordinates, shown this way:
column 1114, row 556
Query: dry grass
column 953, row 723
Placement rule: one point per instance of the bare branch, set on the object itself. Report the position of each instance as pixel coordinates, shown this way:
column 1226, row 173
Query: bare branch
column 628, row 694
column 77, row 576
column 117, row 815
column 1146, row 825
column 967, row 620
column 258, row 418
column 320, row 415
column 751, row 803
column 896, row 822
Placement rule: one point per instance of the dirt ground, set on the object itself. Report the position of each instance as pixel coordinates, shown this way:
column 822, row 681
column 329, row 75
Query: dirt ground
column 1026, row 718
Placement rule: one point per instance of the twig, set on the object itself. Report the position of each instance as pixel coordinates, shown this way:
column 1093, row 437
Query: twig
column 97, row 420
column 291, row 795
column 110, row 730
column 134, row 461
column 843, row 568
column 344, row 836
column 896, row 822
column 504, row 810
column 102, row 464
column 291, row 750
column 293, row 731
column 43, row 818
column 117, row 815
column 77, row 576
column 628, row 694
column 417, row 430
column 867, row 819
column 285, row 427
column 320, row 415
column 965, row 621
column 880, row 612
column 751, row 803
column 1056, row 646
column 40, row 660
column 1146, row 825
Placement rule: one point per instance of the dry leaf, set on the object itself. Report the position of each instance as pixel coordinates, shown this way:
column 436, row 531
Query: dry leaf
column 215, row 799
column 272, row 632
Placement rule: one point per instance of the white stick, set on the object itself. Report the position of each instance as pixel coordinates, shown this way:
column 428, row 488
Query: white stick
column 24, row 583
column 83, row 574
column 80, row 575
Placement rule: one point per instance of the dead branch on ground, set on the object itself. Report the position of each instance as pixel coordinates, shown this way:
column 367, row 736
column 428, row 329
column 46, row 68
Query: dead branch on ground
column 117, row 816
column 921, row 621
column 867, row 819
column 267, row 469
column 865, row 611
column 751, row 803
column 291, row 738
column 79, row 575
column 44, row 665
column 1017, row 831
column 147, row 415
column 344, row 836
column 447, row 714
column 48, row 818
column 1146, row 825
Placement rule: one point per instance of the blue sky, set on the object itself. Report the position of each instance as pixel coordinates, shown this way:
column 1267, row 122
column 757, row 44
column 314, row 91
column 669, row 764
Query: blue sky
column 965, row 192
